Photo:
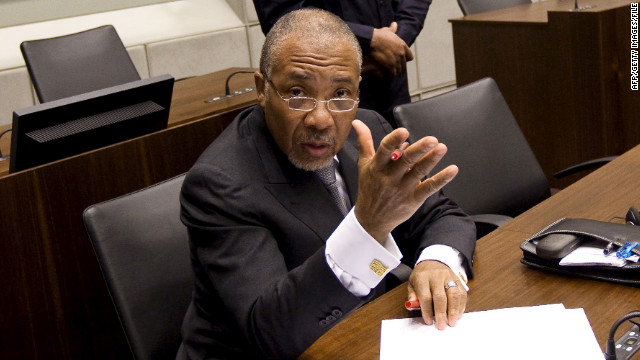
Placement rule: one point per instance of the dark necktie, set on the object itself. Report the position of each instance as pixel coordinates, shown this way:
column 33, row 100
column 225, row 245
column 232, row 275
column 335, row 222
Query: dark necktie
column 328, row 177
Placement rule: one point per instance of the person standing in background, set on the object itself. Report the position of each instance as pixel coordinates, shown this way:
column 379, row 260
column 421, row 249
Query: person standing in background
column 385, row 30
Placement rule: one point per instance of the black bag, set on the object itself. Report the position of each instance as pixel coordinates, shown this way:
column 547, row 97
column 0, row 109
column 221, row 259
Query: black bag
column 618, row 234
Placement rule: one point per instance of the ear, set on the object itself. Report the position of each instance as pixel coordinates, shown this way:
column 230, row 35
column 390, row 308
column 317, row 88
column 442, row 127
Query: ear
column 260, row 87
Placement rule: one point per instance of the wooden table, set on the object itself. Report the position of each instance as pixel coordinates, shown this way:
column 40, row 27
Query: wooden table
column 188, row 101
column 566, row 76
column 502, row 281
column 55, row 304
column 189, row 95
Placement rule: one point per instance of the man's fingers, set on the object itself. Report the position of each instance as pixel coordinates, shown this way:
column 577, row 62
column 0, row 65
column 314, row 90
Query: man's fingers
column 393, row 27
column 411, row 293
column 423, row 163
column 436, row 182
column 420, row 158
column 426, row 308
column 457, row 298
column 394, row 140
column 408, row 54
column 415, row 152
column 439, row 308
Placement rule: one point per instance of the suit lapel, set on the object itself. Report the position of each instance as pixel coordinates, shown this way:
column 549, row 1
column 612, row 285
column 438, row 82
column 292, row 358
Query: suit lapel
column 310, row 204
column 298, row 191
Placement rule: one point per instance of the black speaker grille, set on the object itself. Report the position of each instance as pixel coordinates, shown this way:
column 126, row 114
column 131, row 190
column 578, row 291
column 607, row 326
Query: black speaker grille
column 94, row 121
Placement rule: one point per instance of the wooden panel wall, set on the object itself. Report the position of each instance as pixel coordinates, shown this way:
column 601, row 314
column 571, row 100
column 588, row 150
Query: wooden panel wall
column 54, row 302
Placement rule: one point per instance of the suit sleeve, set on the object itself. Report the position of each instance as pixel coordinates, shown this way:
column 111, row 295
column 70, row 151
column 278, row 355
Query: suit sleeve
column 240, row 258
column 410, row 16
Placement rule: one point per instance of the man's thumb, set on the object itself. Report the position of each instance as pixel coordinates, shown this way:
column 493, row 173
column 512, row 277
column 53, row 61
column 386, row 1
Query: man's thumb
column 365, row 141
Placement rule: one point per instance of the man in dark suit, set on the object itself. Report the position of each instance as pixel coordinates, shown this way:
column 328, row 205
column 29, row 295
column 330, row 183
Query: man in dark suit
column 276, row 261
column 385, row 30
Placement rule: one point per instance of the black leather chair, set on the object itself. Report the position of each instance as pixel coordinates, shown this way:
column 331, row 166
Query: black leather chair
column 499, row 175
column 143, row 252
column 469, row 7
column 78, row 63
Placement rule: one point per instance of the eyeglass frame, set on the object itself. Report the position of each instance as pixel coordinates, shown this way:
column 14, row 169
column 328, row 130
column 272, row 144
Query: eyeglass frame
column 315, row 101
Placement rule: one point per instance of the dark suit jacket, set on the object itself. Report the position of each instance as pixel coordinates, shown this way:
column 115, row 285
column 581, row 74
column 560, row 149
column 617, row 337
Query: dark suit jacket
column 381, row 94
column 257, row 228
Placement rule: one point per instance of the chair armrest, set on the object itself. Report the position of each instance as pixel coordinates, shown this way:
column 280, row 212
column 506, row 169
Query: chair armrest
column 486, row 223
column 587, row 165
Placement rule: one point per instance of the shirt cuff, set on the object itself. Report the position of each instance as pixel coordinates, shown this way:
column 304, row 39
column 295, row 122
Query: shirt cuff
column 357, row 259
column 448, row 256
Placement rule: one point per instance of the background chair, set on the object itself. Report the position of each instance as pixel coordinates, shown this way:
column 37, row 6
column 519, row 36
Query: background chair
column 469, row 7
column 499, row 176
column 143, row 252
column 78, row 63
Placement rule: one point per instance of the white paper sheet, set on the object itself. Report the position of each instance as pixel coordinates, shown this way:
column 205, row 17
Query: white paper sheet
column 590, row 253
column 541, row 332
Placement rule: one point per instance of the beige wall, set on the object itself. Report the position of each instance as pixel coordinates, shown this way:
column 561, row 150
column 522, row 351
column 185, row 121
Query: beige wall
column 18, row 12
column 194, row 37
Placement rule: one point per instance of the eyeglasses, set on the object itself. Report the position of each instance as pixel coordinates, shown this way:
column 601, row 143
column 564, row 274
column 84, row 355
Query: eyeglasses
column 301, row 103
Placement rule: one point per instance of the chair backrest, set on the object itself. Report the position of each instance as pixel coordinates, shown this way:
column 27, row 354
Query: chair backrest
column 78, row 63
column 143, row 252
column 499, row 173
column 469, row 7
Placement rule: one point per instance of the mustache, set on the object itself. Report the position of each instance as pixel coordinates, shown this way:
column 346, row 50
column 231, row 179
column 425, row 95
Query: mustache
column 312, row 136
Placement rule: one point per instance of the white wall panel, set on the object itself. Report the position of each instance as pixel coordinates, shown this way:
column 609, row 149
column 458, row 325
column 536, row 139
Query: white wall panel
column 256, row 39
column 138, row 55
column 436, row 66
column 15, row 93
column 198, row 55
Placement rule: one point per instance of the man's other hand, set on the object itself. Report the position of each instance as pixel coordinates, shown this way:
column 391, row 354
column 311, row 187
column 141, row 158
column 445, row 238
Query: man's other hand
column 427, row 285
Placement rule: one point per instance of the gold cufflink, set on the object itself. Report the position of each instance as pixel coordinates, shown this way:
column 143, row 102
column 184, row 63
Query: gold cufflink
column 377, row 267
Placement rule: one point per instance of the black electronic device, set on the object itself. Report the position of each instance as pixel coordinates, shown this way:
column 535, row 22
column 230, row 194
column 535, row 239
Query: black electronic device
column 633, row 216
column 628, row 344
column 557, row 246
column 61, row 128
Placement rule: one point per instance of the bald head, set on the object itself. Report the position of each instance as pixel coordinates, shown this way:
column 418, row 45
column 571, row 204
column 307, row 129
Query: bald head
column 320, row 28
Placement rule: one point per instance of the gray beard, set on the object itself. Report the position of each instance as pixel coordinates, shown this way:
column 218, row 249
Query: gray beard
column 309, row 166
